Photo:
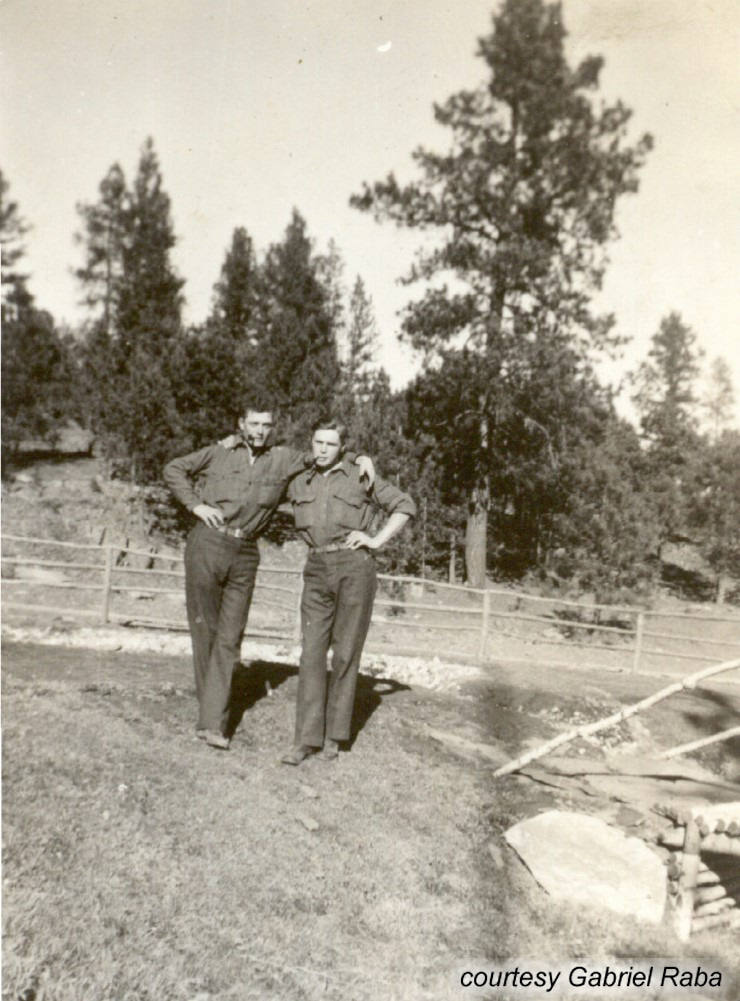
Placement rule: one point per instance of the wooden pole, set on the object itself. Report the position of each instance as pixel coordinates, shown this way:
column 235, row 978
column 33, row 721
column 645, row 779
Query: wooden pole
column 107, row 569
column 687, row 881
column 734, row 731
column 297, row 619
column 639, row 630
column 618, row 717
column 484, row 626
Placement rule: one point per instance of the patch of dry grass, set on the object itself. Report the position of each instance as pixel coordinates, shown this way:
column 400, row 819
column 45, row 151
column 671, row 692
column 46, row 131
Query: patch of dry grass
column 141, row 865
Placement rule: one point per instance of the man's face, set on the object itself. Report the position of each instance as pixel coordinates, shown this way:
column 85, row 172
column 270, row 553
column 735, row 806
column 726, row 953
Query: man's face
column 327, row 447
column 256, row 427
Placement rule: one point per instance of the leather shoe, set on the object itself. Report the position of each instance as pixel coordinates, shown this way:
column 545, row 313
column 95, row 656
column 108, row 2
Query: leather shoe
column 297, row 755
column 214, row 739
column 201, row 734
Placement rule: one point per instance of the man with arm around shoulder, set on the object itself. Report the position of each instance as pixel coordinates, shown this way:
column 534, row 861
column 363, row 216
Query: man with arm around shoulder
column 333, row 511
column 233, row 488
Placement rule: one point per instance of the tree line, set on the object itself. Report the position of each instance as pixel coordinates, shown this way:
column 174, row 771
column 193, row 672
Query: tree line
column 507, row 437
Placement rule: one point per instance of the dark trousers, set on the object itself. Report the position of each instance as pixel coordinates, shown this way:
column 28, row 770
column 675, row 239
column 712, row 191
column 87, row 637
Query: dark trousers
column 337, row 602
column 220, row 572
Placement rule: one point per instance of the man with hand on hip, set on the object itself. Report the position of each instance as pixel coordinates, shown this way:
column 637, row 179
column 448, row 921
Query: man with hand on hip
column 333, row 511
column 233, row 488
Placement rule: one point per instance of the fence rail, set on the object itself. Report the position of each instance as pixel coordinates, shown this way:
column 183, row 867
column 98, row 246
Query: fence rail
column 478, row 616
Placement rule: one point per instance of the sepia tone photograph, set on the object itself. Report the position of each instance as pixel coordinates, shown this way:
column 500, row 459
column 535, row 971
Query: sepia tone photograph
column 370, row 500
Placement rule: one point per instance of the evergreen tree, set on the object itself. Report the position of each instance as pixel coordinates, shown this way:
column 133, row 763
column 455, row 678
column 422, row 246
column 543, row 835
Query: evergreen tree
column 603, row 531
column 713, row 503
column 719, row 398
column 134, row 340
column 524, row 202
column 667, row 403
column 219, row 360
column 297, row 366
column 15, row 294
column 360, row 344
column 103, row 241
column 37, row 367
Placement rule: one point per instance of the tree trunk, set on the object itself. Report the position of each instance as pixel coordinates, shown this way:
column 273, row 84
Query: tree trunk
column 476, row 530
column 723, row 584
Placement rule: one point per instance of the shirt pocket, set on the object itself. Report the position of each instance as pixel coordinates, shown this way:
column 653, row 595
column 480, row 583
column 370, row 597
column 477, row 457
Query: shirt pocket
column 224, row 489
column 269, row 491
column 304, row 507
column 347, row 508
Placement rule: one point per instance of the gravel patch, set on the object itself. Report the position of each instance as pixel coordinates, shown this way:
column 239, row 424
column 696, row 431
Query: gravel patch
column 431, row 673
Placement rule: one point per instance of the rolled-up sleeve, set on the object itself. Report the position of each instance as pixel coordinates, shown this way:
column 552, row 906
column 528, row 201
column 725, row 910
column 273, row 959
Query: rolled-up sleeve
column 179, row 473
column 391, row 500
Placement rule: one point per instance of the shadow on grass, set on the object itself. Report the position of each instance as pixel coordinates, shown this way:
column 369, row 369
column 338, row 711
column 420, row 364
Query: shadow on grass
column 250, row 683
column 724, row 716
column 369, row 697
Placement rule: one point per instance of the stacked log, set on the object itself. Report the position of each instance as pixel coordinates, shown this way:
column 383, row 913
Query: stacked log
column 703, row 870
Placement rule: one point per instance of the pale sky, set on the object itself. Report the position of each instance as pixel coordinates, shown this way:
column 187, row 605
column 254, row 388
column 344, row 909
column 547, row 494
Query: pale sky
column 257, row 106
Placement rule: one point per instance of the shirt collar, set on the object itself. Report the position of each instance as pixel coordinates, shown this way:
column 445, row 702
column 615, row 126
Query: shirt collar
column 344, row 466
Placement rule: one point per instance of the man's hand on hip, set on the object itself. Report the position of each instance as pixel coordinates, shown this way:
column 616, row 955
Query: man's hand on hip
column 360, row 540
column 210, row 516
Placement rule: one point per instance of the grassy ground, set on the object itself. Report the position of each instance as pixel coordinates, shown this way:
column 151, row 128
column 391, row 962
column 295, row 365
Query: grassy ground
column 140, row 864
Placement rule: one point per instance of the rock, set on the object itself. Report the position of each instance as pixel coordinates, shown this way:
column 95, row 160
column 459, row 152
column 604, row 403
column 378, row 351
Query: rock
column 308, row 822
column 581, row 859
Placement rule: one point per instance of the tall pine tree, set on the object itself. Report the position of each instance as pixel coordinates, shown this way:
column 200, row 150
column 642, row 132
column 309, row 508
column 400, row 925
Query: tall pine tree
column 134, row 338
column 220, row 361
column 665, row 397
column 523, row 204
column 296, row 362
column 37, row 367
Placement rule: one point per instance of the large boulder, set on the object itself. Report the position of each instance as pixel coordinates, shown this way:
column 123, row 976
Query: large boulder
column 583, row 860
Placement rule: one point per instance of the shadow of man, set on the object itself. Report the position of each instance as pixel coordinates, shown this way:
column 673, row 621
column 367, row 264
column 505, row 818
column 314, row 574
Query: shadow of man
column 250, row 683
column 369, row 696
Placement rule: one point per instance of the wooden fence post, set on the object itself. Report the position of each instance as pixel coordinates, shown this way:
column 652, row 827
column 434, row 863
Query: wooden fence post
column 639, row 629
column 108, row 567
column 297, row 620
column 687, row 880
column 484, row 626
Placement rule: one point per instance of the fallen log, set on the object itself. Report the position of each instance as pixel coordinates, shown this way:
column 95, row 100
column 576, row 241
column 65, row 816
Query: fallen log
column 715, row 907
column 720, row 844
column 707, row 921
column 706, row 894
column 588, row 728
column 694, row 745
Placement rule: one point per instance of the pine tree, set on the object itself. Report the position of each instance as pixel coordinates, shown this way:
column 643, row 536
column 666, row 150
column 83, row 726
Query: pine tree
column 524, row 203
column 103, row 241
column 37, row 367
column 719, row 399
column 713, row 503
column 134, row 339
column 219, row 360
column 666, row 400
column 297, row 366
column 359, row 364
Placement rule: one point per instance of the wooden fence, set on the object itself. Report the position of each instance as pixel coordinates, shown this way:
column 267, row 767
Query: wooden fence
column 483, row 625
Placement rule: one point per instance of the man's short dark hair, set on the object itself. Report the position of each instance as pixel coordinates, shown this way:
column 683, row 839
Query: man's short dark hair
column 260, row 405
column 332, row 424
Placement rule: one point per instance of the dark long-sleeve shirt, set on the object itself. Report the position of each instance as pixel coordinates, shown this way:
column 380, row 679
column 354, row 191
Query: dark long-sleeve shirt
column 328, row 506
column 247, row 493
